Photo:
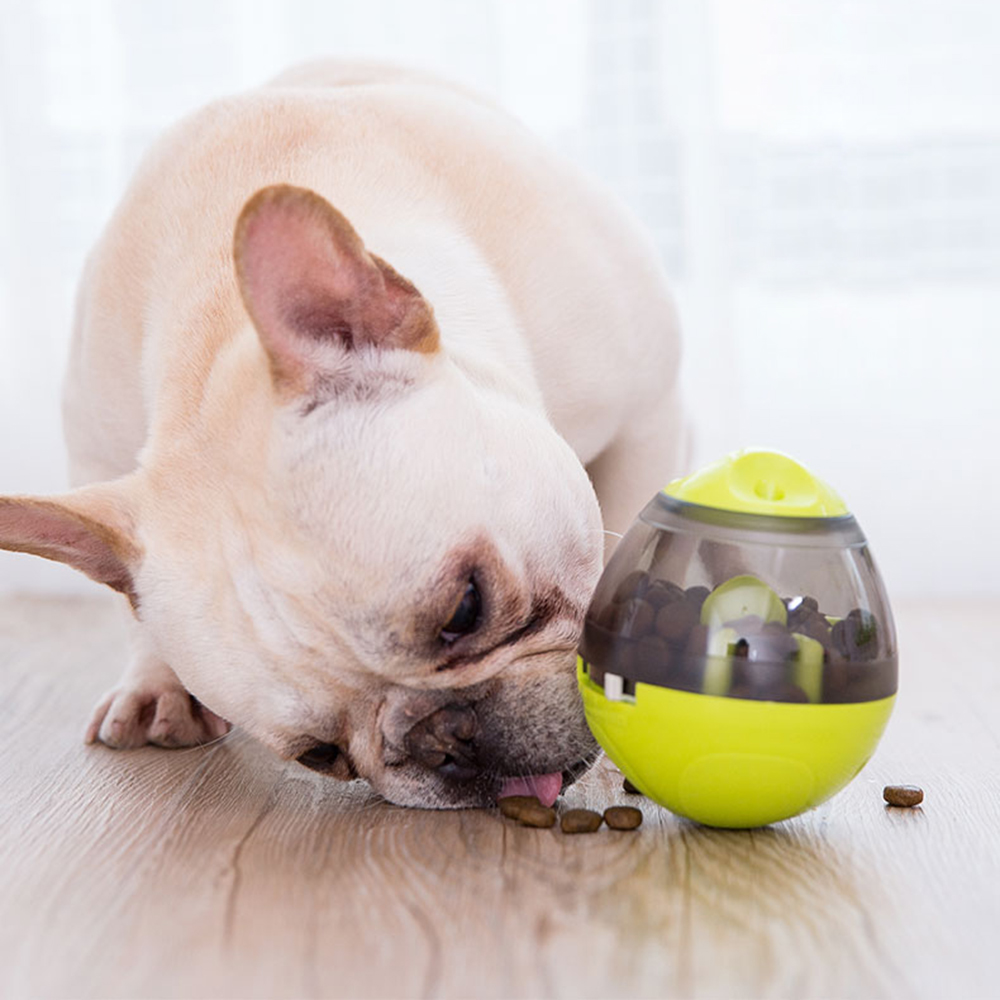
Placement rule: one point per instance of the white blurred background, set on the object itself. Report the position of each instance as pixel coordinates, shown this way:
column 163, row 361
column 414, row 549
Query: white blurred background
column 822, row 180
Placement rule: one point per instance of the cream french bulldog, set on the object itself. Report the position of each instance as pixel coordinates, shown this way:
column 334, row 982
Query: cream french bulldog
column 358, row 366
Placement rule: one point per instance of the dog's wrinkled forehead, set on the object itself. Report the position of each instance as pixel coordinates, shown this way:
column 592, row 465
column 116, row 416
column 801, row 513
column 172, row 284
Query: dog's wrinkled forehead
column 398, row 484
column 403, row 502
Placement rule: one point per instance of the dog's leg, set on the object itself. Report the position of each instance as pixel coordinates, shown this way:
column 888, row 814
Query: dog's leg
column 150, row 705
column 648, row 452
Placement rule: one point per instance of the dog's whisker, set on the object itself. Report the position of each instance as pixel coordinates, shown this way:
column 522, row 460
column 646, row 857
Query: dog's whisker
column 606, row 531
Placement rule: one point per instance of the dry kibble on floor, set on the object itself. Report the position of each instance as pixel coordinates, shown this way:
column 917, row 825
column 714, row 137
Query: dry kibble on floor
column 622, row 817
column 512, row 805
column 580, row 821
column 903, row 795
column 630, row 788
column 536, row 815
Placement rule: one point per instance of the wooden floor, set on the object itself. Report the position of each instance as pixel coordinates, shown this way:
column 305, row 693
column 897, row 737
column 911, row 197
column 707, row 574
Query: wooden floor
column 219, row 872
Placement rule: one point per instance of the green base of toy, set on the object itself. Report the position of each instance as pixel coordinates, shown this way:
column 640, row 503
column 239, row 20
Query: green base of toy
column 730, row 762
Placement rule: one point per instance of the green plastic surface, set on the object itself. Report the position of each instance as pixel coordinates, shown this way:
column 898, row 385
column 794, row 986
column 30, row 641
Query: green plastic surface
column 731, row 762
column 759, row 482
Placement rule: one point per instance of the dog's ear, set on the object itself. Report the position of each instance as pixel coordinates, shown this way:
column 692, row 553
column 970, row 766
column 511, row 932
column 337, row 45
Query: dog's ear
column 90, row 529
column 309, row 284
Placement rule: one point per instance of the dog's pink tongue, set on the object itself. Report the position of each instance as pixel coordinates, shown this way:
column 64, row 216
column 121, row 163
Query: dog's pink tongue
column 545, row 787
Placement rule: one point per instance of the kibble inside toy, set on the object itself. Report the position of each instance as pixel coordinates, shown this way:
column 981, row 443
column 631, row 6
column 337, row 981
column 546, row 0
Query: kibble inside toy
column 738, row 661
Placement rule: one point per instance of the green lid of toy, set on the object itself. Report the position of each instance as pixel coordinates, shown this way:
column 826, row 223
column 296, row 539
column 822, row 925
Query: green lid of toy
column 759, row 482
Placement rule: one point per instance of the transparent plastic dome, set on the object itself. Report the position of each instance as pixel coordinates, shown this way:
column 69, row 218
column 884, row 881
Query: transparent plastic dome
column 742, row 605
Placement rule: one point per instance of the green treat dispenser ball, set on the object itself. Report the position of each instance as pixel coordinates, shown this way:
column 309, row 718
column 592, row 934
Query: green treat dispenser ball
column 738, row 660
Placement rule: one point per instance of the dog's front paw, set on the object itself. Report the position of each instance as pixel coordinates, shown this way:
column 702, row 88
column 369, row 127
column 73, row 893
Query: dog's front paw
column 153, row 709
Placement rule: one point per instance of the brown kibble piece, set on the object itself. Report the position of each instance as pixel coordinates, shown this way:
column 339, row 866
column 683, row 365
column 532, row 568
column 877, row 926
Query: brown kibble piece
column 839, row 639
column 511, row 805
column 696, row 595
column 663, row 592
column 634, row 585
column 636, row 618
column 630, row 788
column 856, row 636
column 903, row 795
column 801, row 605
column 580, row 821
column 527, row 810
column 697, row 641
column 622, row 817
column 813, row 626
column 539, row 815
column 675, row 620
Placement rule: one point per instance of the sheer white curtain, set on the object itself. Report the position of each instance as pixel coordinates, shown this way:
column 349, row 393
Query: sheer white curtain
column 822, row 180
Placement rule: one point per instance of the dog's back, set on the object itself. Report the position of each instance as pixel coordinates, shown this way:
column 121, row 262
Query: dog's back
column 451, row 189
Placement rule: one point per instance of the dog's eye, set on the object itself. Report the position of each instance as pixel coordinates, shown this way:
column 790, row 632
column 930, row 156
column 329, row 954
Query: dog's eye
column 466, row 616
column 321, row 757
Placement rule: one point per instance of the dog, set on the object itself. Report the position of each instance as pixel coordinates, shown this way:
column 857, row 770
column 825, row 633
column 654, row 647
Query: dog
column 362, row 376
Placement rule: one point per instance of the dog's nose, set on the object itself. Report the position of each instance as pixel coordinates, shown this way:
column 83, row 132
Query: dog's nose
column 443, row 741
